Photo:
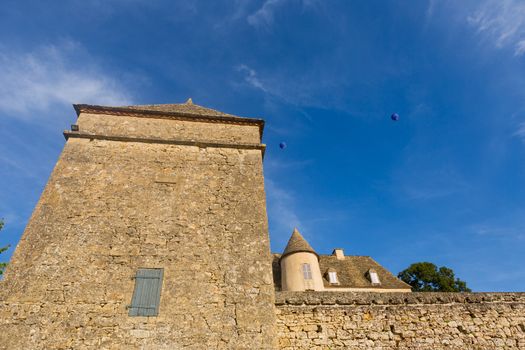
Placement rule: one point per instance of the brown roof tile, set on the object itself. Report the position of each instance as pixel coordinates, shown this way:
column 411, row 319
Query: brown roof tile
column 297, row 243
column 186, row 108
column 351, row 273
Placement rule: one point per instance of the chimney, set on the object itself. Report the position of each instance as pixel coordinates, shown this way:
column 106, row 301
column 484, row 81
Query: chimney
column 338, row 252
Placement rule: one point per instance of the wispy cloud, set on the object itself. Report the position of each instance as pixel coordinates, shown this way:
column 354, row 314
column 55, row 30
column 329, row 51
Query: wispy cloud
column 295, row 164
column 35, row 81
column 281, row 206
column 306, row 91
column 502, row 22
column 429, row 183
column 500, row 231
column 510, row 227
column 264, row 16
column 250, row 77
column 431, row 7
column 520, row 132
column 520, row 48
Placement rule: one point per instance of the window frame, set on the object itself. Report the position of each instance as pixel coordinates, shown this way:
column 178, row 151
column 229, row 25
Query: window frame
column 307, row 271
column 147, row 290
column 332, row 277
column 374, row 277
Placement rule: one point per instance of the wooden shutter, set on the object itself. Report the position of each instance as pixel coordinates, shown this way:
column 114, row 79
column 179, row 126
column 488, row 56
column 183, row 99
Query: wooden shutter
column 146, row 295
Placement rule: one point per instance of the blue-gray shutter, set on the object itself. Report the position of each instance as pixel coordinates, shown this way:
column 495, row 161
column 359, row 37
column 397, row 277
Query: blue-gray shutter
column 146, row 296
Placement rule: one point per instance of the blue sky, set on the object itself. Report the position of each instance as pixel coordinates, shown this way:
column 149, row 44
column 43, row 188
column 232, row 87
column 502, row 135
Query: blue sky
column 444, row 184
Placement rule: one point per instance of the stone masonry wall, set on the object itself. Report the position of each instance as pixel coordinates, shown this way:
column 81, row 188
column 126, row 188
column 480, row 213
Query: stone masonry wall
column 329, row 320
column 112, row 207
column 167, row 129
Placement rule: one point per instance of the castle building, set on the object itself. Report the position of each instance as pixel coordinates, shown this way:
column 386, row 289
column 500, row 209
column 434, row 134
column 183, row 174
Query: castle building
column 300, row 269
column 152, row 233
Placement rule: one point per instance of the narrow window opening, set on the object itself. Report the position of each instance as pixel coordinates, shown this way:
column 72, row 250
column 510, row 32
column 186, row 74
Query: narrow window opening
column 307, row 272
column 332, row 277
column 374, row 278
column 146, row 294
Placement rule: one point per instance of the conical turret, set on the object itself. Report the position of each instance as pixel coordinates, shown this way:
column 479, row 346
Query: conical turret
column 300, row 265
column 296, row 244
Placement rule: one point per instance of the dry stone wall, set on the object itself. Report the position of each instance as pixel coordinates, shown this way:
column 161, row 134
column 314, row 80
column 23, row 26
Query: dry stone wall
column 330, row 320
column 112, row 207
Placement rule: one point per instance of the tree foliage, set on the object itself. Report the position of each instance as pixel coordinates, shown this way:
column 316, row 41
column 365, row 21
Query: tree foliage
column 2, row 249
column 426, row 277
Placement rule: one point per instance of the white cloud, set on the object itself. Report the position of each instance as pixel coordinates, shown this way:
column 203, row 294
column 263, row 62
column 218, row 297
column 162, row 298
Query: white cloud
column 281, row 207
column 35, row 81
column 251, row 77
column 521, row 131
column 502, row 22
column 520, row 48
column 301, row 92
column 264, row 16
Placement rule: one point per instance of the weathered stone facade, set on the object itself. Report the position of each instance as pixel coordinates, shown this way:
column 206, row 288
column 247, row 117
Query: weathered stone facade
column 180, row 187
column 112, row 206
column 328, row 320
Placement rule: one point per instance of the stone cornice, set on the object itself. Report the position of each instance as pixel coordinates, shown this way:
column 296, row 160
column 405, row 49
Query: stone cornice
column 123, row 111
column 82, row 135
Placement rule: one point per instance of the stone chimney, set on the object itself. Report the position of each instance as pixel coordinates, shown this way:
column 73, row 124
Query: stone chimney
column 339, row 253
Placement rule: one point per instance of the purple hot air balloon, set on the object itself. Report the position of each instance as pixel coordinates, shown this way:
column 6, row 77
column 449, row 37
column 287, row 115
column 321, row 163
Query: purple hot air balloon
column 394, row 117
column 282, row 145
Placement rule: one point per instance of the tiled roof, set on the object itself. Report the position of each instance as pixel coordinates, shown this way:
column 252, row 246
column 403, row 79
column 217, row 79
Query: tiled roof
column 351, row 273
column 297, row 244
column 185, row 108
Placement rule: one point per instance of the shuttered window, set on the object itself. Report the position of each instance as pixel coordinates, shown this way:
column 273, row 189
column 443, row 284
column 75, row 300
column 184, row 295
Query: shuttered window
column 374, row 278
column 332, row 277
column 307, row 272
column 146, row 295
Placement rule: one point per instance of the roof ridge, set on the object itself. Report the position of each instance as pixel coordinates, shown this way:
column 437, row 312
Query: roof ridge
column 186, row 107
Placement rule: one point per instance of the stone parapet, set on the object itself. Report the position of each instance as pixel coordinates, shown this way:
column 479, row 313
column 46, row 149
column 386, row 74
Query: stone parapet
column 400, row 320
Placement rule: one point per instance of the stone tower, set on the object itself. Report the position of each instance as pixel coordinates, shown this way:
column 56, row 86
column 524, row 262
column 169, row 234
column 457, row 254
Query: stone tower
column 176, row 189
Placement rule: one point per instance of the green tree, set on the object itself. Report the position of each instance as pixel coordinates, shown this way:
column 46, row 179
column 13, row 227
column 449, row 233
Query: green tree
column 3, row 249
column 426, row 277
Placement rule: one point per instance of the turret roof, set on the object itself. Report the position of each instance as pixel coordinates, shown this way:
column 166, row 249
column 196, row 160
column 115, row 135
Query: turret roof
column 297, row 244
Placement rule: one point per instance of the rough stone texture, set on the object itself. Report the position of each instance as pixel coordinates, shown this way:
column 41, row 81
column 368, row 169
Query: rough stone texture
column 167, row 129
column 328, row 320
column 112, row 207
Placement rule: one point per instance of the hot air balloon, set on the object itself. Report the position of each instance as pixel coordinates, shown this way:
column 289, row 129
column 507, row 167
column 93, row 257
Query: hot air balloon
column 394, row 117
column 282, row 145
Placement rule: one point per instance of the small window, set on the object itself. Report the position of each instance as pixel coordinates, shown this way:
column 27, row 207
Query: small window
column 332, row 277
column 146, row 295
column 374, row 278
column 307, row 272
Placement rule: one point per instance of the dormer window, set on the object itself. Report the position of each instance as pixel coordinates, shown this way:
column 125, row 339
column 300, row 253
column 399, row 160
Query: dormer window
column 374, row 278
column 332, row 277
